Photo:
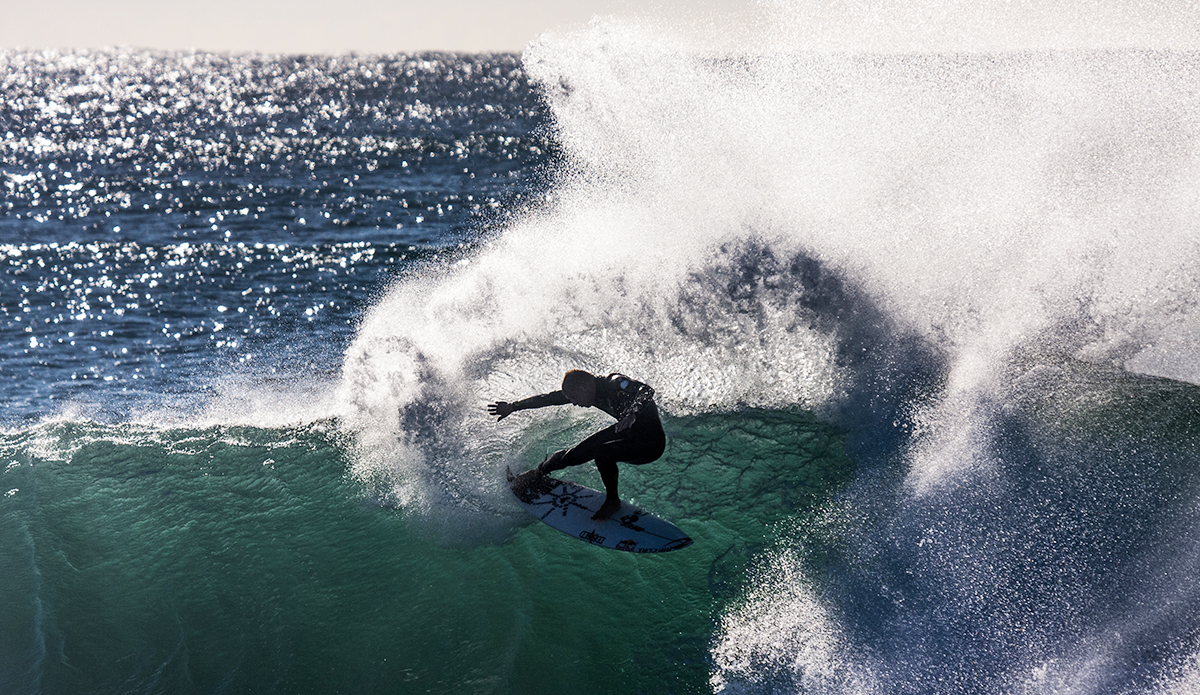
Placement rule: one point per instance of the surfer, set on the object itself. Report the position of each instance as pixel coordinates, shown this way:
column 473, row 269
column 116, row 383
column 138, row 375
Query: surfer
column 636, row 437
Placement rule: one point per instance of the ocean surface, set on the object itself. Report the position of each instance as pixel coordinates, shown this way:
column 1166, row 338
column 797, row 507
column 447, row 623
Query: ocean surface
column 923, row 330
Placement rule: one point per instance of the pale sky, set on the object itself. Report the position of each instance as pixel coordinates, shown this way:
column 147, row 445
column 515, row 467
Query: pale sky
column 398, row 26
column 306, row 26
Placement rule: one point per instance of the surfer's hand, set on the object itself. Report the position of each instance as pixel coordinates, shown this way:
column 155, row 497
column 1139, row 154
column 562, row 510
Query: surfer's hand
column 501, row 409
column 626, row 422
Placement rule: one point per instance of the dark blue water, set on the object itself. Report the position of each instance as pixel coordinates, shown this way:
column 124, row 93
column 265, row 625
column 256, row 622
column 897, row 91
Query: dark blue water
column 901, row 314
column 168, row 216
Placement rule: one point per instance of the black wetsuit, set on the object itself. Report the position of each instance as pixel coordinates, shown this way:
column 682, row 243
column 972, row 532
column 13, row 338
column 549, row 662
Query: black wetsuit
column 617, row 395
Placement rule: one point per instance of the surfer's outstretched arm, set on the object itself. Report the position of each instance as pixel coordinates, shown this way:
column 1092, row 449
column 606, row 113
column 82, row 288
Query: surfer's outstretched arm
column 502, row 409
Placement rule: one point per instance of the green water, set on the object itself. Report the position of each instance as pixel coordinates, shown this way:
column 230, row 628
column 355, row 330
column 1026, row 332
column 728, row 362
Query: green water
column 148, row 560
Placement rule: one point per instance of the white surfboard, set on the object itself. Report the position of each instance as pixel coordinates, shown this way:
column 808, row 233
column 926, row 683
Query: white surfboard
column 569, row 507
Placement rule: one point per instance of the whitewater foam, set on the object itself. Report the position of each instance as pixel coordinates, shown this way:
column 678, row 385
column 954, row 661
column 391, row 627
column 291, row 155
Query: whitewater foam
column 781, row 637
column 908, row 244
column 980, row 203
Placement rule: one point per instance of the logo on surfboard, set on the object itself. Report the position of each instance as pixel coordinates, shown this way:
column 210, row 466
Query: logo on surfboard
column 591, row 537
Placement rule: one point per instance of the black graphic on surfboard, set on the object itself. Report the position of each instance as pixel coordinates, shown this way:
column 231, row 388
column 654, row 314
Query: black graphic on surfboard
column 569, row 507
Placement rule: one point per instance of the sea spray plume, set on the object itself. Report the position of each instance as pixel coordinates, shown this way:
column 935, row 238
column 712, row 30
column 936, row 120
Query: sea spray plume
column 746, row 318
column 949, row 189
column 786, row 641
column 1094, row 265
column 951, row 26
column 1015, row 213
column 738, row 328
column 1019, row 212
column 1063, row 565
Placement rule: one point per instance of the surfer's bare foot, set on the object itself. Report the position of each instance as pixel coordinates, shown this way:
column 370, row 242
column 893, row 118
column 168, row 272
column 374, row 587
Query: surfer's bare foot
column 610, row 506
